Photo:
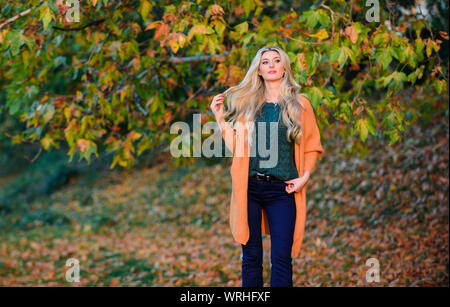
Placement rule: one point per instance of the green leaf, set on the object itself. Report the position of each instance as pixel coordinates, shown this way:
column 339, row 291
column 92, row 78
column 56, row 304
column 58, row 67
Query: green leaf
column 394, row 136
column 439, row 85
column 417, row 74
column 419, row 45
column 388, row 119
column 341, row 55
column 154, row 104
column 323, row 18
column 380, row 39
column 410, row 56
column 398, row 53
column 314, row 18
column 144, row 144
column 15, row 40
column 316, row 96
column 385, row 58
column 394, row 80
column 14, row 106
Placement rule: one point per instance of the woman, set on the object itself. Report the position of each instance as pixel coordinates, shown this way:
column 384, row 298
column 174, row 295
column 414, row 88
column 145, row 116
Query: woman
column 268, row 200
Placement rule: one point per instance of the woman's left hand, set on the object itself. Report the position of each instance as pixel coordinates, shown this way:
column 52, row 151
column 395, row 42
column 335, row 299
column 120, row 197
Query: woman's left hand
column 296, row 184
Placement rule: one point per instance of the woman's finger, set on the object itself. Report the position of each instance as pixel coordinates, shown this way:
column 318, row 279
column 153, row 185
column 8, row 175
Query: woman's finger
column 217, row 102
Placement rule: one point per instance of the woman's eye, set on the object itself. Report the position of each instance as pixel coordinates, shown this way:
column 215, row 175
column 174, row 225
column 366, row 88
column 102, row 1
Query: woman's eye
column 265, row 62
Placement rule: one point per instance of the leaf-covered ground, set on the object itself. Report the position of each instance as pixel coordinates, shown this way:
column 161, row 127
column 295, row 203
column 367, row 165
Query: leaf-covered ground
column 165, row 226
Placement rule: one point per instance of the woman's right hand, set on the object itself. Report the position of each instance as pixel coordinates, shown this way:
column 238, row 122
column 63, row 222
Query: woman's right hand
column 217, row 106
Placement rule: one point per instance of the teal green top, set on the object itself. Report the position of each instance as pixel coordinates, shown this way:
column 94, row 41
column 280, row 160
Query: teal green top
column 285, row 168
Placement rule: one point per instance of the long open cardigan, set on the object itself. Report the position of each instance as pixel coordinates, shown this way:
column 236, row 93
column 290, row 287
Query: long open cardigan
column 306, row 153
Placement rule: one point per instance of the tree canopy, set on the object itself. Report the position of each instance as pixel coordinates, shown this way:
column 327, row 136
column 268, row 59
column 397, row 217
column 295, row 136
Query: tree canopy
column 116, row 77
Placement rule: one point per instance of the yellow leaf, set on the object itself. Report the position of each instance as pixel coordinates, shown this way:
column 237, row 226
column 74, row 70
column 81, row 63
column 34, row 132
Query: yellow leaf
column 67, row 113
column 176, row 40
column 133, row 135
column 2, row 35
column 197, row 29
column 320, row 35
column 47, row 16
column 46, row 142
column 122, row 162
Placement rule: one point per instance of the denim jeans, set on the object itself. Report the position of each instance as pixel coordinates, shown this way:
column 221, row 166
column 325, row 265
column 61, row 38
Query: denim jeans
column 281, row 211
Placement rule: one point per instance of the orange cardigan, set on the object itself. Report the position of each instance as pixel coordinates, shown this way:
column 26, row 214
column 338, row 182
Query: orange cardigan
column 306, row 154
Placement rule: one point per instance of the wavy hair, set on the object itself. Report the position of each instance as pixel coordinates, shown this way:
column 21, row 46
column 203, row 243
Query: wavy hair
column 248, row 97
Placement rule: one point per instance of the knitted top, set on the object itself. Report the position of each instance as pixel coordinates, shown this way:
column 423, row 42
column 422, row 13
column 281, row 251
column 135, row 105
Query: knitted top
column 285, row 168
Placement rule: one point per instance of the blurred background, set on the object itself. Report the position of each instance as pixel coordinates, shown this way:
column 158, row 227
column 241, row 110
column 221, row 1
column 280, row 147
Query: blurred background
column 88, row 93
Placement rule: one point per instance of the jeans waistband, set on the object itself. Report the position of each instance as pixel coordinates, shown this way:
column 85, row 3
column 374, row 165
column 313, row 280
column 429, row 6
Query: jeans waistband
column 264, row 177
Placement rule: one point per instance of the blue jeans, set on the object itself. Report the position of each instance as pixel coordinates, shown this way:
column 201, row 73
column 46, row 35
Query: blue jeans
column 281, row 211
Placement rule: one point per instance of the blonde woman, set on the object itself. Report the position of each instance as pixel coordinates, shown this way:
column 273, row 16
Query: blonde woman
column 268, row 197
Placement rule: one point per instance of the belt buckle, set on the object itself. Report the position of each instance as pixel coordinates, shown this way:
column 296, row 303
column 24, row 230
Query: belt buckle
column 262, row 177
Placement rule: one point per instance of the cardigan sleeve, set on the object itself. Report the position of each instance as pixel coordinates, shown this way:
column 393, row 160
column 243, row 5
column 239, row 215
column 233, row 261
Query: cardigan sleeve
column 313, row 147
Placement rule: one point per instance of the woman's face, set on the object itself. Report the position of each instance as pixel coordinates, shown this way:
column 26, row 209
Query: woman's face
column 270, row 66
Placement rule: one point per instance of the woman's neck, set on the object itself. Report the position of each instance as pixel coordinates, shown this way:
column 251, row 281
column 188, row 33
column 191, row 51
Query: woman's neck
column 272, row 90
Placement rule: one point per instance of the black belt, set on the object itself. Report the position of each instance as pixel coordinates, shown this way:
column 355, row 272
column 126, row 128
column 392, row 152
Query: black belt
column 264, row 177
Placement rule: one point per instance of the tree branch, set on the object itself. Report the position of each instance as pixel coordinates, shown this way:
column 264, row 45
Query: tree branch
column 198, row 58
column 93, row 23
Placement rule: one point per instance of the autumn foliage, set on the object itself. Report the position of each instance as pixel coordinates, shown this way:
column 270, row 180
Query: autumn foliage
column 115, row 79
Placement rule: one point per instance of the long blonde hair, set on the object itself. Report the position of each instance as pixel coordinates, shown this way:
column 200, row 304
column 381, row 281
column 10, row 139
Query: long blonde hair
column 248, row 98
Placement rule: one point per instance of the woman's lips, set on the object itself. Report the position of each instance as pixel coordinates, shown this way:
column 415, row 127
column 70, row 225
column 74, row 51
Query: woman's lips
column 272, row 72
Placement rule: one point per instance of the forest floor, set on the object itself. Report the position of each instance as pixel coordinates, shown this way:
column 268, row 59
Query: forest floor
column 168, row 226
